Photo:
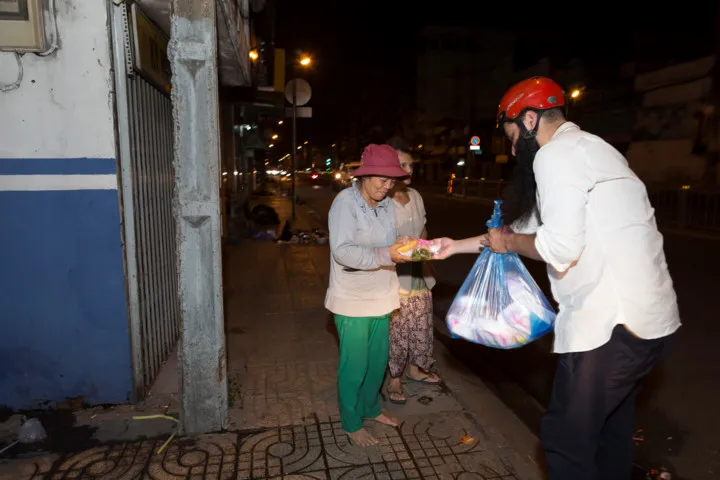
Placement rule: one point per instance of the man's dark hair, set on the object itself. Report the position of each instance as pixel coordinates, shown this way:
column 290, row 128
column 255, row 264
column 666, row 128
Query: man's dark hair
column 399, row 144
column 552, row 115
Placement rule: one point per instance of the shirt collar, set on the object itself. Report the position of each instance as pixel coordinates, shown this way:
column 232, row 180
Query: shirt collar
column 564, row 128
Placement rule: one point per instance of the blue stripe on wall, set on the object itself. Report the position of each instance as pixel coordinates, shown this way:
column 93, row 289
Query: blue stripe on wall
column 57, row 166
column 62, row 291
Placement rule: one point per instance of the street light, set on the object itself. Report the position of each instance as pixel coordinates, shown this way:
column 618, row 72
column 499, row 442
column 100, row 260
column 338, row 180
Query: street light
column 254, row 55
column 275, row 136
column 304, row 61
column 575, row 93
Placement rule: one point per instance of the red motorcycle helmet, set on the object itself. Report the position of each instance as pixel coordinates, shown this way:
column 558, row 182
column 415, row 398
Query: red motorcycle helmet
column 536, row 93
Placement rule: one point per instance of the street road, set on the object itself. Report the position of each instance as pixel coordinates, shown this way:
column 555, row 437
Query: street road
column 678, row 409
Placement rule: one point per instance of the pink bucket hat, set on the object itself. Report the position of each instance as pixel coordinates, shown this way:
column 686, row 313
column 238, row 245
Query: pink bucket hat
column 380, row 161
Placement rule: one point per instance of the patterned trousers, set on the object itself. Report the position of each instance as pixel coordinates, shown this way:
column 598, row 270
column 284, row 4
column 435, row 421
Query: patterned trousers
column 411, row 333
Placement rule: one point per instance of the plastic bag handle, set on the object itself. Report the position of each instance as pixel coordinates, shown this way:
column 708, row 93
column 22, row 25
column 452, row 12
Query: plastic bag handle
column 496, row 220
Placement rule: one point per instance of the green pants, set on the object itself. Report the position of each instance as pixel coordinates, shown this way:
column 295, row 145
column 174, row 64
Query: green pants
column 364, row 344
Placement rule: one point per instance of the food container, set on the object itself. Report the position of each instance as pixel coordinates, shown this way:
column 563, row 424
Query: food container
column 419, row 250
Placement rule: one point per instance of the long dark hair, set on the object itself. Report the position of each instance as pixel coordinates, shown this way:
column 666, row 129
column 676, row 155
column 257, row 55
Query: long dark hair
column 520, row 195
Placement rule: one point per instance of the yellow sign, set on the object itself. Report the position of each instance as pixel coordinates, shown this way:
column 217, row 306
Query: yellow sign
column 150, row 50
column 279, row 77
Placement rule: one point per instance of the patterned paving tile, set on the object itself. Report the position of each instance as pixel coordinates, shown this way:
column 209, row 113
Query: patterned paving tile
column 28, row 469
column 421, row 448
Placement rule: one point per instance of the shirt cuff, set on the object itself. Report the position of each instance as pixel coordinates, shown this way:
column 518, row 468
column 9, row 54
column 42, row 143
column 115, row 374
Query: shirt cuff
column 382, row 257
column 541, row 245
column 525, row 228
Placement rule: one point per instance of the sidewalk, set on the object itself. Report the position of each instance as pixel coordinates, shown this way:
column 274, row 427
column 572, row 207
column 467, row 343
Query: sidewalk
column 282, row 350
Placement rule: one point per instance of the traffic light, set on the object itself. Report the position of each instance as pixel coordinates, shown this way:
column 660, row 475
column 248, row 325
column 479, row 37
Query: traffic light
column 328, row 161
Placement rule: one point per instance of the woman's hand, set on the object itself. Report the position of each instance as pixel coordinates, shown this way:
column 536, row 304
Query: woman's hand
column 447, row 248
column 396, row 256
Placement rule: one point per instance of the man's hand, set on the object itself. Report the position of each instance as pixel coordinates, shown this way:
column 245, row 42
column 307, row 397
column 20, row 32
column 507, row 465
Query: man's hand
column 396, row 256
column 498, row 239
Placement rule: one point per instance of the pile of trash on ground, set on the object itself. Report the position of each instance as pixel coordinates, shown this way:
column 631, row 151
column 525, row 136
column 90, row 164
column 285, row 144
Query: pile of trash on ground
column 316, row 236
column 264, row 227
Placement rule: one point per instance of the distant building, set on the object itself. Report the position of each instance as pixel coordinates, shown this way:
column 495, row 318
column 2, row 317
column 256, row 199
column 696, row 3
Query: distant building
column 652, row 104
column 674, row 133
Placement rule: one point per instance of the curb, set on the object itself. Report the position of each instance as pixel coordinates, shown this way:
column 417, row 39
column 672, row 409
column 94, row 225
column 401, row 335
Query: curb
column 513, row 439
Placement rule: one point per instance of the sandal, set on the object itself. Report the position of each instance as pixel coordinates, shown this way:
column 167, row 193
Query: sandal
column 399, row 397
column 425, row 379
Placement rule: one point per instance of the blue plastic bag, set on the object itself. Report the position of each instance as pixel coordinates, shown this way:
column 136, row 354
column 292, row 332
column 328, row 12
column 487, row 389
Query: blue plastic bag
column 499, row 305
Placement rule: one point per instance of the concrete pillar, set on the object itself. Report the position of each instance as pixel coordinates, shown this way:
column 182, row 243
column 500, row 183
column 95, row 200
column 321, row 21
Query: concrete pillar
column 203, row 369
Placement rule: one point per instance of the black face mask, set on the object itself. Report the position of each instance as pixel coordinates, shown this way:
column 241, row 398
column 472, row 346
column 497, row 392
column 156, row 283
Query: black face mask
column 519, row 197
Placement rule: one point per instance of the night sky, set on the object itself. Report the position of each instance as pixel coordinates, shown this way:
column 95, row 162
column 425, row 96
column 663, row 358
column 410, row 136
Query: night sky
column 364, row 58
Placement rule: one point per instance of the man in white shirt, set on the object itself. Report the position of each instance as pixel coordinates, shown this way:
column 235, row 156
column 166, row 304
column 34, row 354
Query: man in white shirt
column 576, row 205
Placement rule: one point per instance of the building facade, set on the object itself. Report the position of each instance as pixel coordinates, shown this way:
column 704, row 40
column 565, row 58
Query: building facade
column 88, row 196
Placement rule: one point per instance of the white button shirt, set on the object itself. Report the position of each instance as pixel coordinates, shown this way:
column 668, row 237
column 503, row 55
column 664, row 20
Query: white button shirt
column 598, row 235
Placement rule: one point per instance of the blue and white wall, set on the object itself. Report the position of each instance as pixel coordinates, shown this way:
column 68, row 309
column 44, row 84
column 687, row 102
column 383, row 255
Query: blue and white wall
column 63, row 319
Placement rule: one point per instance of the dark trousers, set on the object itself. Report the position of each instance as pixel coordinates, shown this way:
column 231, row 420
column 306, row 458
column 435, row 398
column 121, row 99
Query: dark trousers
column 588, row 427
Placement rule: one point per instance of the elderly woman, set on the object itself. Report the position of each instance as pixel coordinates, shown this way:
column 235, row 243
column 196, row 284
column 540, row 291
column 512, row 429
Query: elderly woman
column 411, row 327
column 363, row 288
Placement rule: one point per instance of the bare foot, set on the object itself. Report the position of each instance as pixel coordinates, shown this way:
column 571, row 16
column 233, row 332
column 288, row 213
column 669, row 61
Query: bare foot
column 362, row 438
column 386, row 420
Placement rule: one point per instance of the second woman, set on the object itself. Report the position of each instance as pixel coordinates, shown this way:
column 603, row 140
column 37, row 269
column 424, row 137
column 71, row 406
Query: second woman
column 411, row 326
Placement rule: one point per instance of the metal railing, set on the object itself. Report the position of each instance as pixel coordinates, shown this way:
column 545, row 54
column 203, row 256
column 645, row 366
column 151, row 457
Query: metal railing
column 683, row 208
column 687, row 208
column 473, row 188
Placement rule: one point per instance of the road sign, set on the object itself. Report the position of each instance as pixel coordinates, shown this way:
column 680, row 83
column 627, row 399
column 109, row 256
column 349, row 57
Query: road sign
column 475, row 140
column 302, row 112
column 303, row 93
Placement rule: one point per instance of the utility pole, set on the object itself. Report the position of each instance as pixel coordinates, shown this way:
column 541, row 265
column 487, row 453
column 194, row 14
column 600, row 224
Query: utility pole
column 714, row 155
column 305, row 61
column 294, row 148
